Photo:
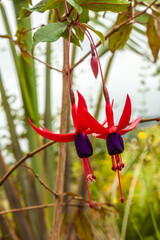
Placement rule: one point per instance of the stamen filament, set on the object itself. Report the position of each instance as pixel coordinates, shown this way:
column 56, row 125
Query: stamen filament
column 122, row 199
column 90, row 168
column 90, row 203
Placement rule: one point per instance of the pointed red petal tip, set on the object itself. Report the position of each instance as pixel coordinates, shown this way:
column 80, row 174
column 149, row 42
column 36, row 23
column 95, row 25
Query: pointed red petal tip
column 94, row 66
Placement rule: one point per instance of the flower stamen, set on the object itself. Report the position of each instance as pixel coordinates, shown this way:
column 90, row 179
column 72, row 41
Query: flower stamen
column 86, row 177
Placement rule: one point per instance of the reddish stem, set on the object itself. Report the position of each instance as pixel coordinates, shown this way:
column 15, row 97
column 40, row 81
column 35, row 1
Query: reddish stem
column 94, row 48
column 122, row 199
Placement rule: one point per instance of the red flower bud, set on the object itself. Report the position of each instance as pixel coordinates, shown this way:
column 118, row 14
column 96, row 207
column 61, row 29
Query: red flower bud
column 94, row 66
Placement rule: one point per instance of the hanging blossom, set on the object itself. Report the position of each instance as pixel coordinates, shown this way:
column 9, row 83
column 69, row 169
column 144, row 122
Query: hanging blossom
column 79, row 136
column 112, row 134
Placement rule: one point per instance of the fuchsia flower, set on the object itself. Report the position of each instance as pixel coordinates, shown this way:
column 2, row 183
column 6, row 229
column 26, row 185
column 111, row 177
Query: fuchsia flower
column 112, row 134
column 79, row 136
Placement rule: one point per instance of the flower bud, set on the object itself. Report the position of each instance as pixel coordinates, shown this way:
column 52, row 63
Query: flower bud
column 94, row 65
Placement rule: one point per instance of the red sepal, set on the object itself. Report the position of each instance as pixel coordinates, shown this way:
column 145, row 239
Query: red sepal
column 94, row 125
column 126, row 114
column 69, row 137
column 131, row 127
column 81, row 118
column 110, row 119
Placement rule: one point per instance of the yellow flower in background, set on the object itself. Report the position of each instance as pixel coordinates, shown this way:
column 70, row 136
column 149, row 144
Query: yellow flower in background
column 115, row 200
column 142, row 135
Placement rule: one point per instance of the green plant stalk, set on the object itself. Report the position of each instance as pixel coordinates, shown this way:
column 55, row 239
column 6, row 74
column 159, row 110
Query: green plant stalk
column 30, row 195
column 151, row 210
column 24, row 73
column 130, row 195
column 27, row 80
column 12, row 46
column 48, row 161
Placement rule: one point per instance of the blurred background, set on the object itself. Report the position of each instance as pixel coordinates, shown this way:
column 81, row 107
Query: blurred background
column 29, row 88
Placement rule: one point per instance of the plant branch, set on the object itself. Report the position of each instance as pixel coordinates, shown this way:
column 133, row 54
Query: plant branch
column 41, row 181
column 28, row 155
column 113, row 30
column 26, row 51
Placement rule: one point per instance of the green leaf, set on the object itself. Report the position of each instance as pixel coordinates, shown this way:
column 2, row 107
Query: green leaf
column 49, row 33
column 73, row 39
column 30, row 2
column 79, row 33
column 95, row 5
column 52, row 4
column 76, row 6
column 83, row 18
column 153, row 38
column 82, row 226
column 100, row 35
column 25, row 12
column 104, row 5
column 119, row 38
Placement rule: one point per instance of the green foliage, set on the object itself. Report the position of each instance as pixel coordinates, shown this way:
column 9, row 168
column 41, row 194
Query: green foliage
column 49, row 33
column 119, row 38
column 76, row 6
column 99, row 34
column 153, row 37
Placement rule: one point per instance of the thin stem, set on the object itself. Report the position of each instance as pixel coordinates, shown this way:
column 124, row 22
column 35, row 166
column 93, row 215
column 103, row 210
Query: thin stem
column 92, row 50
column 29, row 155
column 113, row 30
column 122, row 199
column 69, row 41
column 41, row 181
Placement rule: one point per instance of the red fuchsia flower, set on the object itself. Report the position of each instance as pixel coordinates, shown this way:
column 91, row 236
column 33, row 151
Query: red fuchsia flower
column 112, row 134
column 79, row 136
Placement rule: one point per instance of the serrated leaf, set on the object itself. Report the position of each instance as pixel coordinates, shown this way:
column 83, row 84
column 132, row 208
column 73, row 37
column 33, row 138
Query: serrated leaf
column 49, row 33
column 95, row 5
column 99, row 34
column 25, row 12
column 118, row 39
column 153, row 38
column 82, row 226
column 76, row 6
column 64, row 226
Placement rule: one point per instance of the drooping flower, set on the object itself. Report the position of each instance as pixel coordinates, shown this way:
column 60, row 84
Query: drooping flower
column 79, row 136
column 112, row 134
